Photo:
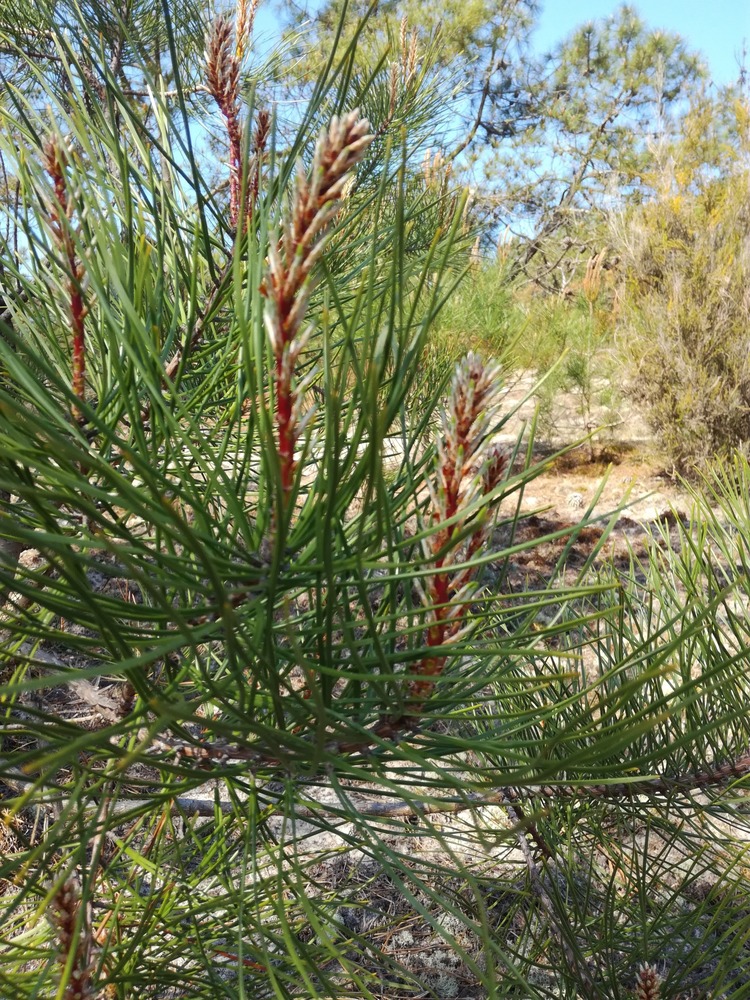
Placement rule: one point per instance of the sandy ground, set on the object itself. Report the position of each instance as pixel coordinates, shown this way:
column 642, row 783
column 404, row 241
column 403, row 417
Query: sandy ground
column 621, row 460
column 617, row 473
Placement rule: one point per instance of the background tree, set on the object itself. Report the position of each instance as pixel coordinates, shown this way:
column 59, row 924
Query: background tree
column 548, row 144
column 469, row 44
column 598, row 105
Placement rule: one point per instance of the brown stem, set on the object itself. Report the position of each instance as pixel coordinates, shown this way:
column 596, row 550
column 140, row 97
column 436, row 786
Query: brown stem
column 235, row 168
column 469, row 137
column 221, row 754
column 78, row 313
column 285, row 399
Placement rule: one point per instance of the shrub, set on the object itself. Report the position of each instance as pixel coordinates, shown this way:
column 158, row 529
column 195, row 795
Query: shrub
column 685, row 327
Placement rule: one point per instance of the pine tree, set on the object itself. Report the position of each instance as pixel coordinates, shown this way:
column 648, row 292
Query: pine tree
column 278, row 719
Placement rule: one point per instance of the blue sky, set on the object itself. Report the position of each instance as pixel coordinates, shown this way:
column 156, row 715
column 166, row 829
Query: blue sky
column 716, row 28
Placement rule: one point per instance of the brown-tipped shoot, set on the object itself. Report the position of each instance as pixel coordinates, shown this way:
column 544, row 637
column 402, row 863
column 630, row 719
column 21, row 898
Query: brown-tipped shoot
column 316, row 200
column 648, row 983
column 75, row 944
column 468, row 467
column 260, row 141
column 244, row 21
column 59, row 215
column 223, row 80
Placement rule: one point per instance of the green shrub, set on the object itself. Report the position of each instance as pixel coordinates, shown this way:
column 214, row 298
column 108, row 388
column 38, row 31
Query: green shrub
column 685, row 325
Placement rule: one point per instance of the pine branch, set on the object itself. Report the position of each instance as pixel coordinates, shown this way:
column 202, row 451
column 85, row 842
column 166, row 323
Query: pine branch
column 510, row 798
column 556, row 928
column 716, row 774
